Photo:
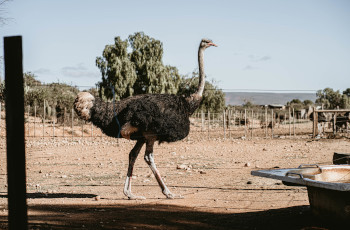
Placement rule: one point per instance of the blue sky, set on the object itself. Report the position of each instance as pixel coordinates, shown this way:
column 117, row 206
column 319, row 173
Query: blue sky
column 266, row 45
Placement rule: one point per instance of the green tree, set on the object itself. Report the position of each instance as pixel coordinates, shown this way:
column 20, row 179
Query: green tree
column 296, row 104
column 345, row 99
column 248, row 104
column 347, row 92
column 55, row 96
column 213, row 98
column 137, row 72
column 307, row 103
column 329, row 98
column 117, row 70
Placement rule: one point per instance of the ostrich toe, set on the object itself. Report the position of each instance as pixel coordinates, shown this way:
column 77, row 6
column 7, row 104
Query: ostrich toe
column 133, row 197
column 170, row 195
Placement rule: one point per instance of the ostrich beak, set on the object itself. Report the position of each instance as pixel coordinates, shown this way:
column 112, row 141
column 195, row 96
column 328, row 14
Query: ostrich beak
column 212, row 44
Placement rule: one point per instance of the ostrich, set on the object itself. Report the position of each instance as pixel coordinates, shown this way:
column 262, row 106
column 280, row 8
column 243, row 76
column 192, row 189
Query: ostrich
column 145, row 118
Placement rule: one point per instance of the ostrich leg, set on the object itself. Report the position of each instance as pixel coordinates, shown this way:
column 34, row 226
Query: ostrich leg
column 132, row 158
column 150, row 161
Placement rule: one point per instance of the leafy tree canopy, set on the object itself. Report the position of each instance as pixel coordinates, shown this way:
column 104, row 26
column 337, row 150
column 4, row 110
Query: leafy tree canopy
column 298, row 104
column 136, row 72
column 347, row 92
column 213, row 98
column 333, row 99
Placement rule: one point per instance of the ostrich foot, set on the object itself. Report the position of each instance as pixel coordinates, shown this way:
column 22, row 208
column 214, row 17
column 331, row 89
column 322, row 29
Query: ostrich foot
column 133, row 197
column 170, row 195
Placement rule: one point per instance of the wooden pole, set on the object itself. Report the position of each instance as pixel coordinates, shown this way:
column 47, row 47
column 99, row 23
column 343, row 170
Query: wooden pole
column 203, row 118
column 234, row 118
column 16, row 164
column 44, row 120
column 314, row 123
column 208, row 125
column 72, row 122
column 293, row 123
column 289, row 119
column 34, row 120
column 239, row 119
column 252, row 125
column 272, row 123
column 334, row 123
column 266, row 122
column 64, row 120
column 224, row 122
column 229, row 122
column 245, row 123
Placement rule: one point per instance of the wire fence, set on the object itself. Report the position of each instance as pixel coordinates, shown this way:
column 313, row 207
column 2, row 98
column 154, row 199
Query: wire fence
column 228, row 124
column 251, row 123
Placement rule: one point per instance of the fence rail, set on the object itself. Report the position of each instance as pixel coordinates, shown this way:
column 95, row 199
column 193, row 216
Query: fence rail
column 246, row 124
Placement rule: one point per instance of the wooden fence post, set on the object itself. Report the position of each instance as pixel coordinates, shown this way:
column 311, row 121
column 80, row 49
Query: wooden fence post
column 72, row 122
column 239, row 118
column 15, row 134
column 314, row 123
column 224, row 123
column 293, row 123
column 234, row 118
column 245, row 123
column 334, row 123
column 208, row 125
column 203, row 119
column 34, row 120
column 229, row 122
column 272, row 120
column 252, row 125
column 44, row 120
column 266, row 120
column 64, row 120
column 289, row 119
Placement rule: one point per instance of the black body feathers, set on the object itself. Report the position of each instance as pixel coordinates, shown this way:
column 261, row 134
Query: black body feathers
column 164, row 115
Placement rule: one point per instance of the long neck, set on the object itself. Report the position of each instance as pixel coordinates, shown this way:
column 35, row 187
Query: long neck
column 195, row 99
column 201, row 83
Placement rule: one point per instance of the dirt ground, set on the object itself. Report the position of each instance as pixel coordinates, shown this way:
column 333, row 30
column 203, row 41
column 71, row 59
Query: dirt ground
column 78, row 184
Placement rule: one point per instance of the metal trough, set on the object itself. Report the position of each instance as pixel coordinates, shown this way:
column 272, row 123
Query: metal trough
column 328, row 187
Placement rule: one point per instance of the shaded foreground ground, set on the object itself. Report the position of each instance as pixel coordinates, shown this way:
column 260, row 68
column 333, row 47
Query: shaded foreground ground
column 78, row 184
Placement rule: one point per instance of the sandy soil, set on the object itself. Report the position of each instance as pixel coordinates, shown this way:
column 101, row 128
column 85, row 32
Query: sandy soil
column 78, row 184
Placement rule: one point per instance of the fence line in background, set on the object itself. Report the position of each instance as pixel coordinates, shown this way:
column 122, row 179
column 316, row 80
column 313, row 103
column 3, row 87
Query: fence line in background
column 230, row 123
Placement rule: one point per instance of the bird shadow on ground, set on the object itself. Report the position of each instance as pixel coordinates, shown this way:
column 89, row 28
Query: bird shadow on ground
column 160, row 216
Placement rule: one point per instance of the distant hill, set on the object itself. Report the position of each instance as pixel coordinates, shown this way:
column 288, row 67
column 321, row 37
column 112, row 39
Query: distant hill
column 239, row 98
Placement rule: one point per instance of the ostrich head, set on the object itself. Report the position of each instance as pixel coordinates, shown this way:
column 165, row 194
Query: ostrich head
column 82, row 105
column 205, row 43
